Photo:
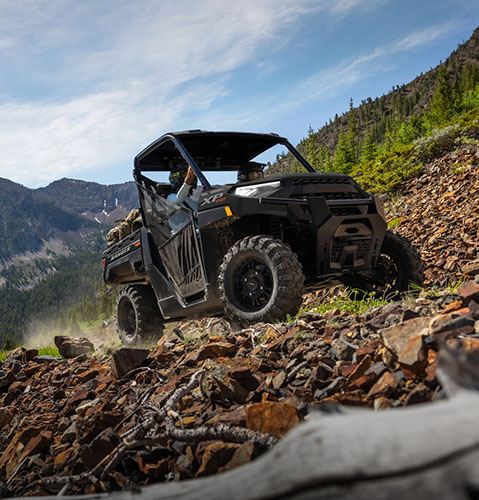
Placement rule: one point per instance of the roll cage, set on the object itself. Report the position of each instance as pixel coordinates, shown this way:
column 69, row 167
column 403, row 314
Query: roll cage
column 212, row 151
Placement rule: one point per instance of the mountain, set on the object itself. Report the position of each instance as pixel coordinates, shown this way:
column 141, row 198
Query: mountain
column 51, row 241
column 94, row 201
column 38, row 225
column 30, row 222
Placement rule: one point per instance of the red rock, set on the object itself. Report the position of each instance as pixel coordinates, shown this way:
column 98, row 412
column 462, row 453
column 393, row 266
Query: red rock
column 241, row 456
column 469, row 291
column 157, row 469
column 6, row 415
column 105, row 442
column 10, row 457
column 369, row 349
column 353, row 398
column 420, row 394
column 239, row 372
column 279, row 380
column 405, row 340
column 212, row 350
column 235, row 417
column 37, row 444
column 86, row 376
column 385, row 386
column 453, row 306
column 162, row 354
column 231, row 389
column 71, row 347
column 471, row 268
column 360, row 369
column 62, row 458
column 272, row 418
column 451, row 321
column 31, row 369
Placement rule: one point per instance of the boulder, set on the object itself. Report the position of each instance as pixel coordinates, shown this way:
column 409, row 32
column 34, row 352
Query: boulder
column 71, row 347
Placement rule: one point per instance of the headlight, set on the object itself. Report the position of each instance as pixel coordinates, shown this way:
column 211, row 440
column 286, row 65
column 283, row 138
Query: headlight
column 256, row 189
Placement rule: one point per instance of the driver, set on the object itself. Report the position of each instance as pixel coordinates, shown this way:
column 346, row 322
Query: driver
column 183, row 181
column 251, row 171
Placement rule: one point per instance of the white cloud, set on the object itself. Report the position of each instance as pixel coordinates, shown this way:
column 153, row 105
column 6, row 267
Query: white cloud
column 112, row 74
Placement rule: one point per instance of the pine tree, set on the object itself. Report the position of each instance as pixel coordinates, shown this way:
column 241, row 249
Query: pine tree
column 369, row 149
column 312, row 151
column 442, row 105
column 343, row 156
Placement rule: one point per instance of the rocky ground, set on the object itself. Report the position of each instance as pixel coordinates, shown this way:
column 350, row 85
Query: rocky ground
column 438, row 211
column 200, row 404
column 207, row 399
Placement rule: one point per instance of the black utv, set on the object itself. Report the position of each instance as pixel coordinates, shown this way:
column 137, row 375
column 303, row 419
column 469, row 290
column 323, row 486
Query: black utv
column 250, row 247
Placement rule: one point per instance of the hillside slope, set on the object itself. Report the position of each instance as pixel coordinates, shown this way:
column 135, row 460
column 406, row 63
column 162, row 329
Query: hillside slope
column 439, row 212
column 395, row 119
column 38, row 225
column 404, row 100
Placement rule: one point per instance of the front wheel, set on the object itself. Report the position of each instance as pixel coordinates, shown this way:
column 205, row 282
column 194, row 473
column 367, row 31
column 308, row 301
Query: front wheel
column 260, row 279
column 138, row 316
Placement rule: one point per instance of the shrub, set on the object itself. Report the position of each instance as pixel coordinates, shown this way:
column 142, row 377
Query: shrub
column 440, row 141
column 388, row 170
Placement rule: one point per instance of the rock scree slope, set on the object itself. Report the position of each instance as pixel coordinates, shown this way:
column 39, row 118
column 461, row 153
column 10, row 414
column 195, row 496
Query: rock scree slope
column 205, row 399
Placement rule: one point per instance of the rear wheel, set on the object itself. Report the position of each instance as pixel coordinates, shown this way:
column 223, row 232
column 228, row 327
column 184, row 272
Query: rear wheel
column 138, row 316
column 260, row 279
column 399, row 266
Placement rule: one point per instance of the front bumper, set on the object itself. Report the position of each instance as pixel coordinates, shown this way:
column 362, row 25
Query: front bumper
column 349, row 233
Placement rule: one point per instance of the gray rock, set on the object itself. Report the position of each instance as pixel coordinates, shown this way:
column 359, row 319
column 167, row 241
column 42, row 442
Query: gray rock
column 71, row 347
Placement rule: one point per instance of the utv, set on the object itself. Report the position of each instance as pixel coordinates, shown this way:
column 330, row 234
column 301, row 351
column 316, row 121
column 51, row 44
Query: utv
column 250, row 248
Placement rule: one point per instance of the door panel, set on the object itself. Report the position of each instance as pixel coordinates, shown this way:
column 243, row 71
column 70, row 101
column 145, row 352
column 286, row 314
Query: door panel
column 174, row 232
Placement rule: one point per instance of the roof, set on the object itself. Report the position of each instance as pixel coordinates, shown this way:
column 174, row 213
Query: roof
column 212, row 151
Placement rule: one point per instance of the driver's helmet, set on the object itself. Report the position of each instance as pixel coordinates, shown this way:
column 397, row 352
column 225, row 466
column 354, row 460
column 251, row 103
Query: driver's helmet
column 177, row 177
column 251, row 171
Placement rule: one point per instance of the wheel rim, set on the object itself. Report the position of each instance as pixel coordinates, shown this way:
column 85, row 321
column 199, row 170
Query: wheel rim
column 126, row 317
column 252, row 284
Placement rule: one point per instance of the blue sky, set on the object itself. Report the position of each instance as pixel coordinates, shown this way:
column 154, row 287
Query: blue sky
column 88, row 84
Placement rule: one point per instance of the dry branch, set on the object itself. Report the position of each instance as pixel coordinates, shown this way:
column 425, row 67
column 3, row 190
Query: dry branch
column 147, row 433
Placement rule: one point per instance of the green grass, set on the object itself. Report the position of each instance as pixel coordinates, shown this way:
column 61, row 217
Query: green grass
column 347, row 300
column 393, row 223
column 49, row 351
column 43, row 351
column 352, row 302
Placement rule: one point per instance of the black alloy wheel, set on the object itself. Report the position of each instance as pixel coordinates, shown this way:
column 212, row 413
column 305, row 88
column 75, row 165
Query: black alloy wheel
column 260, row 279
column 253, row 284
